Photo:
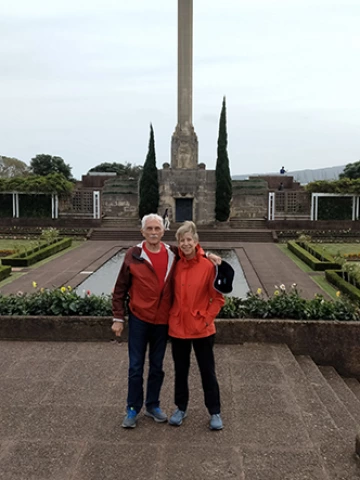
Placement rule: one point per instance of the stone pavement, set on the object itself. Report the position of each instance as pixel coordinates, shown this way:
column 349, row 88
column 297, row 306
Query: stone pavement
column 62, row 404
column 264, row 265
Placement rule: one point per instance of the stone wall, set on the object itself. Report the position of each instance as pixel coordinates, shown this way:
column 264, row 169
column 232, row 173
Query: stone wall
column 327, row 342
column 250, row 199
column 246, row 206
column 322, row 225
column 120, row 199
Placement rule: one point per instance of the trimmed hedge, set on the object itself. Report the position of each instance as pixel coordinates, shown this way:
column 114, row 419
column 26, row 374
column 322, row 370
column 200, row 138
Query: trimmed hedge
column 5, row 271
column 335, row 277
column 312, row 257
column 30, row 257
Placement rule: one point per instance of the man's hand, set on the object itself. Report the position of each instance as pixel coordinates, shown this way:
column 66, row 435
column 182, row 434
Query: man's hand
column 117, row 328
column 215, row 259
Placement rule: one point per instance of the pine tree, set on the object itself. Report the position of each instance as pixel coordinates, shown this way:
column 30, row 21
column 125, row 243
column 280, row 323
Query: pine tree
column 222, row 172
column 149, row 184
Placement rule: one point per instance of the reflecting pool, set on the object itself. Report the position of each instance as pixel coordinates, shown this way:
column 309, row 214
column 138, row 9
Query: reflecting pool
column 103, row 280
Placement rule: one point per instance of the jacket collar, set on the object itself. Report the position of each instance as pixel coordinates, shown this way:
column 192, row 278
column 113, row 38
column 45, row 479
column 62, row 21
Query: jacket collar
column 199, row 252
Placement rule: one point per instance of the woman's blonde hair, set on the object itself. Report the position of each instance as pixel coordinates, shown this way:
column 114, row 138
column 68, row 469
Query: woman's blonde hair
column 187, row 227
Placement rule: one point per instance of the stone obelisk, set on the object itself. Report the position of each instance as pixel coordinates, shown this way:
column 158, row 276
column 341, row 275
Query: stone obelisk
column 184, row 142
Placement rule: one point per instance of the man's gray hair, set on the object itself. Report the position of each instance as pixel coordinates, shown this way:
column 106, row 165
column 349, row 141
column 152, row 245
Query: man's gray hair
column 152, row 216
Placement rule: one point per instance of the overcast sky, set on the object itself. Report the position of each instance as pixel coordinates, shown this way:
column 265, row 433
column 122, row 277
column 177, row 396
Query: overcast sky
column 83, row 79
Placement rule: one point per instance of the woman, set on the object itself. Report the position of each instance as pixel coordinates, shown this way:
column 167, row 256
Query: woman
column 191, row 324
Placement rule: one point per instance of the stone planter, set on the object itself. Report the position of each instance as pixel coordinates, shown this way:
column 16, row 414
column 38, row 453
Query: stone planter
column 327, row 342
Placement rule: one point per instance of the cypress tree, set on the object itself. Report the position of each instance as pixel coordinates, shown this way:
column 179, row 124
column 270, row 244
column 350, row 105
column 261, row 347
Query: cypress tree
column 149, row 184
column 222, row 172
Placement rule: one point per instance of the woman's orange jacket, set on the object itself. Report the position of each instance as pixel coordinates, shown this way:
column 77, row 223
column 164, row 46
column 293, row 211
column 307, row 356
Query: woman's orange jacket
column 196, row 302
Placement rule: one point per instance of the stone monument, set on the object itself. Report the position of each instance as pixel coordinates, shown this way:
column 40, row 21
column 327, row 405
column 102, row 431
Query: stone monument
column 187, row 189
column 184, row 144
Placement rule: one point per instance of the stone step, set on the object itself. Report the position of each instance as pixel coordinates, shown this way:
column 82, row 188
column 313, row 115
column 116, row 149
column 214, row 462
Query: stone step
column 354, row 385
column 335, row 450
column 205, row 235
column 341, row 416
column 273, row 428
column 344, row 393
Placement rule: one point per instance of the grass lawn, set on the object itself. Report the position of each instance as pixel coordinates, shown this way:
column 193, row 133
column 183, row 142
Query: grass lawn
column 335, row 248
column 12, row 244
column 320, row 280
column 15, row 275
column 325, row 285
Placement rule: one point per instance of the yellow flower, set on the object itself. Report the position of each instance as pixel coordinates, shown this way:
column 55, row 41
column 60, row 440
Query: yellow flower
column 34, row 284
column 259, row 291
column 338, row 293
column 42, row 289
column 276, row 293
column 69, row 288
column 63, row 289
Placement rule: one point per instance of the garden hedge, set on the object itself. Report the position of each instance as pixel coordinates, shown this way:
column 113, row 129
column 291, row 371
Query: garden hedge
column 335, row 277
column 5, row 271
column 312, row 257
column 30, row 257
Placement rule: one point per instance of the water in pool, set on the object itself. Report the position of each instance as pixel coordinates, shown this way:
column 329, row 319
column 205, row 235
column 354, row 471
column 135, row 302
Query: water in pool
column 103, row 280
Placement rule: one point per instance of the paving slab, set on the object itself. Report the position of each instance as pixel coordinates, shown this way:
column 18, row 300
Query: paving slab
column 66, row 421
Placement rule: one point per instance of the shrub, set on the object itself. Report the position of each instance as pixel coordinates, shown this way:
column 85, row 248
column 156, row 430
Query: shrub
column 4, row 272
column 66, row 302
column 49, row 235
column 339, row 279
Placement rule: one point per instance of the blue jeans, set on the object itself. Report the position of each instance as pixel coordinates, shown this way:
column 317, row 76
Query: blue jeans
column 140, row 335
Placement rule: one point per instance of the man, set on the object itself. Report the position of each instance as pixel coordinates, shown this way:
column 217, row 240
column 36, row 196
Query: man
column 146, row 276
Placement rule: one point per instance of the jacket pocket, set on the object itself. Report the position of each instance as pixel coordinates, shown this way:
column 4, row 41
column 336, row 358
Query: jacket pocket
column 196, row 323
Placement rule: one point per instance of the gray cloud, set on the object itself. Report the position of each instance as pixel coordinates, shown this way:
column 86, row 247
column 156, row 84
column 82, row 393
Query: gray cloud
column 83, row 80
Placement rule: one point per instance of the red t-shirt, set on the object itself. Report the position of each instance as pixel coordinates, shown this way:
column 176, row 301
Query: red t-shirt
column 159, row 261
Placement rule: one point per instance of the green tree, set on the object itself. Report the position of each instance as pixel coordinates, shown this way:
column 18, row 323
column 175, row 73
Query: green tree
column 222, row 172
column 44, row 165
column 128, row 170
column 12, row 167
column 352, row 170
column 149, row 183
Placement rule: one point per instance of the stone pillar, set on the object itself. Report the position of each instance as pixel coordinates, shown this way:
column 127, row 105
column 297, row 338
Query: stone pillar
column 184, row 143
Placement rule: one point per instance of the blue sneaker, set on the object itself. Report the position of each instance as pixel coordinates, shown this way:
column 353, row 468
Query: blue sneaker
column 177, row 417
column 157, row 414
column 215, row 422
column 130, row 418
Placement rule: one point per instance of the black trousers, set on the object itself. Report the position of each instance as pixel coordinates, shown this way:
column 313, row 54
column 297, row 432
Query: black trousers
column 204, row 352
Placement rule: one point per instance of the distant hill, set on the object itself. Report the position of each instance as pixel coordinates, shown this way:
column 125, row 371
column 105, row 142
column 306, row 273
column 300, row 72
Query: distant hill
column 303, row 176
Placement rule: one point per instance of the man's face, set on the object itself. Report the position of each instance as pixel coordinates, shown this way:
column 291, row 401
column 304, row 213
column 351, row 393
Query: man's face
column 153, row 232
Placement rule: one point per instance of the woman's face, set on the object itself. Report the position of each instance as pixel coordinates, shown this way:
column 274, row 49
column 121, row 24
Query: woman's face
column 187, row 245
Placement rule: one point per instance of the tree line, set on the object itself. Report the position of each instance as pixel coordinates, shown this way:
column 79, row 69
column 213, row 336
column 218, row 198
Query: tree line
column 44, row 165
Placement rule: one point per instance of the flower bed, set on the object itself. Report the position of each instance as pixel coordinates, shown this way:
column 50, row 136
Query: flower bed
column 6, row 252
column 29, row 257
column 353, row 257
column 66, row 302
